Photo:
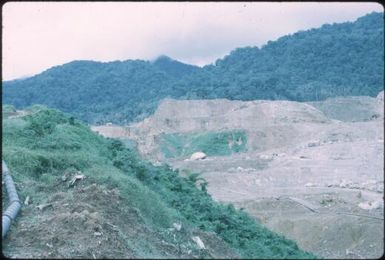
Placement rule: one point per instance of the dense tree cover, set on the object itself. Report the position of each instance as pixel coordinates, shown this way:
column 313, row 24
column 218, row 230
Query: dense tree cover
column 93, row 91
column 335, row 60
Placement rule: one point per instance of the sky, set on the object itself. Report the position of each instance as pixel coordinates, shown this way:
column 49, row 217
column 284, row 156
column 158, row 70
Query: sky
column 39, row 35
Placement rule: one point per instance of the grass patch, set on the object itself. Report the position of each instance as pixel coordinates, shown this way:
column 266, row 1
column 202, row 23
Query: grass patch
column 211, row 143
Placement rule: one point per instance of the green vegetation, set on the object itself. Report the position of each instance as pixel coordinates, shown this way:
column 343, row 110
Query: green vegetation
column 46, row 144
column 173, row 67
column 211, row 143
column 345, row 59
column 8, row 110
column 42, row 146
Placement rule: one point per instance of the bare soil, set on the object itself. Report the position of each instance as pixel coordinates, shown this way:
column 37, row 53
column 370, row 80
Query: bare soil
column 94, row 222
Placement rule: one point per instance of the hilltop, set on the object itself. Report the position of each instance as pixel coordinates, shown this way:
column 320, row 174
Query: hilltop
column 341, row 59
column 173, row 67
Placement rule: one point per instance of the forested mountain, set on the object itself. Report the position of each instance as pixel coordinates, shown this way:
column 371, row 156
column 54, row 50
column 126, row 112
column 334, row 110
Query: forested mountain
column 93, row 91
column 334, row 60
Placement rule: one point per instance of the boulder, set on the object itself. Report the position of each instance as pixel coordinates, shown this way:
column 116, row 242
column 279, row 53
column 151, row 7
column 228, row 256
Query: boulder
column 369, row 205
column 265, row 157
column 198, row 156
column 199, row 242
column 177, row 226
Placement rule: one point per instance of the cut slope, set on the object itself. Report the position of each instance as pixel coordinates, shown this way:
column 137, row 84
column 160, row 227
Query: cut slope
column 266, row 123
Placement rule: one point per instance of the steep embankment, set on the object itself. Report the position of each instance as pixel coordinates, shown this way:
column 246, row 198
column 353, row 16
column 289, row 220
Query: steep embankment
column 91, row 197
column 345, row 59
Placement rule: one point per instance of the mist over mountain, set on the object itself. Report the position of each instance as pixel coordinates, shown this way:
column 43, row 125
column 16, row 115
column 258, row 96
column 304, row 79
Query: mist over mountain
column 345, row 59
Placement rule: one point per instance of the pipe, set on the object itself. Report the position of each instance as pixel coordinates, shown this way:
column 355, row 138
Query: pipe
column 14, row 202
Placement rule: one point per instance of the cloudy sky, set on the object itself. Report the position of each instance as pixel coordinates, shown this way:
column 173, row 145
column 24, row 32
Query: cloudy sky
column 39, row 35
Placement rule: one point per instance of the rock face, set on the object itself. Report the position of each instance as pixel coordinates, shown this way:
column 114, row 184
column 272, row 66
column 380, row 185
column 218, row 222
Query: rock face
column 198, row 156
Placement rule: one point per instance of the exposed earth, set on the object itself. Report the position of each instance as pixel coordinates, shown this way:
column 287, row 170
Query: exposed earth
column 313, row 172
column 92, row 221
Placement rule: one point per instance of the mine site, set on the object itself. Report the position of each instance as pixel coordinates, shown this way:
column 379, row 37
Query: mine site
column 311, row 171
column 193, row 130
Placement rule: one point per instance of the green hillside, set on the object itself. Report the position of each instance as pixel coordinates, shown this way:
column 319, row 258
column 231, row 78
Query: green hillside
column 345, row 59
column 173, row 67
column 123, row 199
column 93, row 91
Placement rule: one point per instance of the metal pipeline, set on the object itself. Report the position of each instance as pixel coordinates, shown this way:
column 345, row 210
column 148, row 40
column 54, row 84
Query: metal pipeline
column 14, row 202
